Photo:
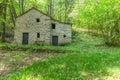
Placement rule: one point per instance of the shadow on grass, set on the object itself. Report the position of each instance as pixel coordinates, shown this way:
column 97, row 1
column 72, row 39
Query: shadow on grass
column 77, row 66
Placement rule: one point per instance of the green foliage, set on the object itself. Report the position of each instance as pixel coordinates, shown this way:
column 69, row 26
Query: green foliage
column 101, row 15
column 57, row 6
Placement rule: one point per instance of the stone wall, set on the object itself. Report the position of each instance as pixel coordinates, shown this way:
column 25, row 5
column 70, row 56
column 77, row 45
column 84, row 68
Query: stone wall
column 63, row 31
column 28, row 23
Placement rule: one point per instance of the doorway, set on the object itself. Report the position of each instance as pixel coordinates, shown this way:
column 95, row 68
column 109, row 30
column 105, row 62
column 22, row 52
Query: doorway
column 25, row 38
column 55, row 40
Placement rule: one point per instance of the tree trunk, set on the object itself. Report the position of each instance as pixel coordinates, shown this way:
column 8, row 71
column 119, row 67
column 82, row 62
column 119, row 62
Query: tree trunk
column 66, row 8
column 4, row 22
column 13, row 13
column 1, row 8
column 51, row 8
column 22, row 6
column 60, row 12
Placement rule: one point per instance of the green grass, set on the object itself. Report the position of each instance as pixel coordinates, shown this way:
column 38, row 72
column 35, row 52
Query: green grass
column 81, row 66
column 86, row 61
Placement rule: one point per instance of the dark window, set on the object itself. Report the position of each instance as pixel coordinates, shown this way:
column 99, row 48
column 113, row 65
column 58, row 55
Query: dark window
column 53, row 25
column 64, row 36
column 38, row 35
column 37, row 20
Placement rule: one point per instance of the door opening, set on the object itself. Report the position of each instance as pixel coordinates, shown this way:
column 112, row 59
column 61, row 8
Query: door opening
column 25, row 38
column 55, row 40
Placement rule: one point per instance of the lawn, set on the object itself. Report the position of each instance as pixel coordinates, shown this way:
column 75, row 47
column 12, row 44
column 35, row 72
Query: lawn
column 86, row 58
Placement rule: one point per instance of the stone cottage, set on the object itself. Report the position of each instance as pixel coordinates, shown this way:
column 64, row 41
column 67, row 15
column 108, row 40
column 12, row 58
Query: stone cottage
column 35, row 27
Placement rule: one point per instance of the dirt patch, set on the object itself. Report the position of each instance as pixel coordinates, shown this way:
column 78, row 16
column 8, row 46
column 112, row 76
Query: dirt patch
column 34, row 49
column 3, row 69
column 12, row 60
column 27, row 61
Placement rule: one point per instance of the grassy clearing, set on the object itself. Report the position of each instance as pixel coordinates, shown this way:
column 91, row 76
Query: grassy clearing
column 12, row 60
column 87, row 60
column 76, row 66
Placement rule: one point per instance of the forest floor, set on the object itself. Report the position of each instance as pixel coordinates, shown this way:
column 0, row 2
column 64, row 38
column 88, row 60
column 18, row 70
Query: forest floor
column 86, row 58
column 12, row 60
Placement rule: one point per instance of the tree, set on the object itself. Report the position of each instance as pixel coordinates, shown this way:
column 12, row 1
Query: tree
column 4, row 19
column 13, row 13
column 21, row 6
column 1, row 8
column 51, row 7
column 102, row 16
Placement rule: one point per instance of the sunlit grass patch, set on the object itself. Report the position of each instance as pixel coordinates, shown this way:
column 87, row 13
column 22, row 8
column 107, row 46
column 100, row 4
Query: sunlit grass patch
column 81, row 66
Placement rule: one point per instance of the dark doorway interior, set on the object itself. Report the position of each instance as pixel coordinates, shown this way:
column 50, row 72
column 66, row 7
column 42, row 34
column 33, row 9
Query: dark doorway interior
column 55, row 40
column 25, row 38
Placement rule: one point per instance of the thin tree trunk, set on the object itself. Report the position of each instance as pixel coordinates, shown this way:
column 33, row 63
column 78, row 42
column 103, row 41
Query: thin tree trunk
column 12, row 12
column 4, row 22
column 66, row 8
column 13, row 9
column 60, row 12
column 22, row 6
column 1, row 13
column 50, row 8
column 1, row 8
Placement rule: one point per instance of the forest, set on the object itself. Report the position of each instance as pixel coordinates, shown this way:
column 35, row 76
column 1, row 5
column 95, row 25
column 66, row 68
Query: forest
column 93, row 54
column 101, row 16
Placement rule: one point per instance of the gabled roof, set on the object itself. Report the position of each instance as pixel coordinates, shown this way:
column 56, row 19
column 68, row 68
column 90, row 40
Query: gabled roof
column 43, row 14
